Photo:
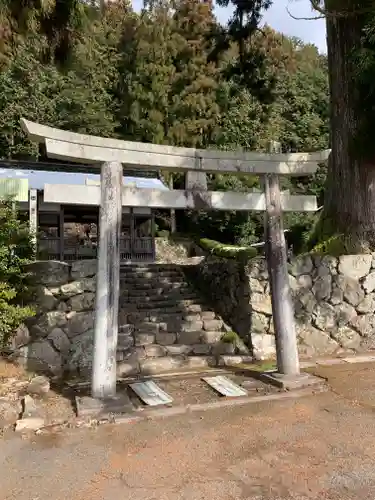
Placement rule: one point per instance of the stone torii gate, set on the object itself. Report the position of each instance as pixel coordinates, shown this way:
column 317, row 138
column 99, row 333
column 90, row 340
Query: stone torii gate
column 110, row 155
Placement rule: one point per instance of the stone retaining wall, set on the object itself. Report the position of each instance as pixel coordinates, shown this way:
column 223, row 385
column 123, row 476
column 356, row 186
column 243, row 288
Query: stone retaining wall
column 334, row 300
column 60, row 337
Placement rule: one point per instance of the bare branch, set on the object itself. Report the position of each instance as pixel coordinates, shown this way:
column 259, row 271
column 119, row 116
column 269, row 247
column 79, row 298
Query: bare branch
column 316, row 6
column 304, row 18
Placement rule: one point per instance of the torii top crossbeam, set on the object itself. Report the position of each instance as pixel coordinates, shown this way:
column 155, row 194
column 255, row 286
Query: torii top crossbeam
column 70, row 146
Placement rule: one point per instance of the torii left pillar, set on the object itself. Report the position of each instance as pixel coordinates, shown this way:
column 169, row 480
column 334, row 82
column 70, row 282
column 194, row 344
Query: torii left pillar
column 108, row 283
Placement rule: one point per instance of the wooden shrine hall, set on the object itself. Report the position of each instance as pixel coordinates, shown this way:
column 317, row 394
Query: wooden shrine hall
column 70, row 231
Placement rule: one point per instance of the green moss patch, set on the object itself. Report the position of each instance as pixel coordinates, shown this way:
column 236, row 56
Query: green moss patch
column 324, row 240
column 229, row 338
column 226, row 251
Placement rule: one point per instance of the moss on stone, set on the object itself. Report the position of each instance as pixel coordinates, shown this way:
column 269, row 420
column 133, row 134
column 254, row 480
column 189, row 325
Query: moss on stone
column 229, row 337
column 325, row 240
column 226, row 251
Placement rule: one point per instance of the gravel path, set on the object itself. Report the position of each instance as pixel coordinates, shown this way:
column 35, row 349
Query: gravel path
column 321, row 446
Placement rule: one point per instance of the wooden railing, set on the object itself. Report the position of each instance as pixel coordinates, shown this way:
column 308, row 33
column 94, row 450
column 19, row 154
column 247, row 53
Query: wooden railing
column 137, row 249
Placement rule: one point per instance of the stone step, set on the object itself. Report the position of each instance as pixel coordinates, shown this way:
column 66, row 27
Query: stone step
column 181, row 325
column 147, row 351
column 154, row 271
column 152, row 366
column 148, row 284
column 149, row 336
column 159, row 299
column 151, row 274
column 188, row 337
column 141, row 317
column 131, row 268
column 155, row 290
column 147, row 288
column 164, row 324
column 199, row 349
column 162, row 304
column 151, row 270
column 171, row 326
column 124, row 341
column 159, row 351
column 156, row 312
column 166, row 265
column 155, row 366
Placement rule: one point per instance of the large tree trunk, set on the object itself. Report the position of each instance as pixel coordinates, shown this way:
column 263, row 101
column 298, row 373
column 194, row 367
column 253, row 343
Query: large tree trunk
column 349, row 207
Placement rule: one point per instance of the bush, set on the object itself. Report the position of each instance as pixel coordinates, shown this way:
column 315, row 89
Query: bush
column 16, row 250
column 226, row 251
column 11, row 315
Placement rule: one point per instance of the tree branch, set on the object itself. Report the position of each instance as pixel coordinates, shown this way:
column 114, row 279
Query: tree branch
column 315, row 18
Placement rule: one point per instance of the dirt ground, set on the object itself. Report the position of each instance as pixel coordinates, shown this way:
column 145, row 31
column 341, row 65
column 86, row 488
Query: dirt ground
column 317, row 447
column 55, row 406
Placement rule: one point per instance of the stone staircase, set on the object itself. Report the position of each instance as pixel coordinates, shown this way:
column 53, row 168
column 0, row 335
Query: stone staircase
column 164, row 325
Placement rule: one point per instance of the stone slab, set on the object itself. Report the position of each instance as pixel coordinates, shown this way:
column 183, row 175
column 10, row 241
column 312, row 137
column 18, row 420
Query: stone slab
column 29, row 424
column 251, row 384
column 359, row 359
column 329, row 362
column 225, row 386
column 151, row 393
column 92, row 407
column 307, row 364
column 289, row 383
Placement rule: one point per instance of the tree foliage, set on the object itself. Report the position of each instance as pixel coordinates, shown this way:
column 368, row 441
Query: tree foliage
column 169, row 75
column 16, row 250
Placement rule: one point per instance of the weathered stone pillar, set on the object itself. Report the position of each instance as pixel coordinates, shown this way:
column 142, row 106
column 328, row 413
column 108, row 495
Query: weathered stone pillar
column 282, row 304
column 276, row 254
column 196, row 181
column 108, row 282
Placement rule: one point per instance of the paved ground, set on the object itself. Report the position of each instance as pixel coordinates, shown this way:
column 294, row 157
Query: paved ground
column 319, row 447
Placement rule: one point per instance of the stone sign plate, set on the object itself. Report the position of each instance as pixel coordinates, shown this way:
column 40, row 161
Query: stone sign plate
column 225, row 386
column 150, row 393
column 102, row 408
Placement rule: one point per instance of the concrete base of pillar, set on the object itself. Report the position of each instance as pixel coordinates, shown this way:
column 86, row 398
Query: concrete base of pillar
column 292, row 382
column 103, row 408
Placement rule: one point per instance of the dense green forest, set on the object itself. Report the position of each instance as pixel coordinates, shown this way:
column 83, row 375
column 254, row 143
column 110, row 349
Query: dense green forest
column 169, row 75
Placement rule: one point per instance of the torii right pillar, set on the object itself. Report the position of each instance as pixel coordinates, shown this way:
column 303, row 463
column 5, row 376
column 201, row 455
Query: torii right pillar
column 288, row 375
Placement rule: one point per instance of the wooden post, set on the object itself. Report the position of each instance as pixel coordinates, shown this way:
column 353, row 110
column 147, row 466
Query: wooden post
column 33, row 218
column 282, row 304
column 108, row 283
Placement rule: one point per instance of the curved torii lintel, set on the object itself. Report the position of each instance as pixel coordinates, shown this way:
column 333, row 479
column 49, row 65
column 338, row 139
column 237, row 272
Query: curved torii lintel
column 64, row 145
